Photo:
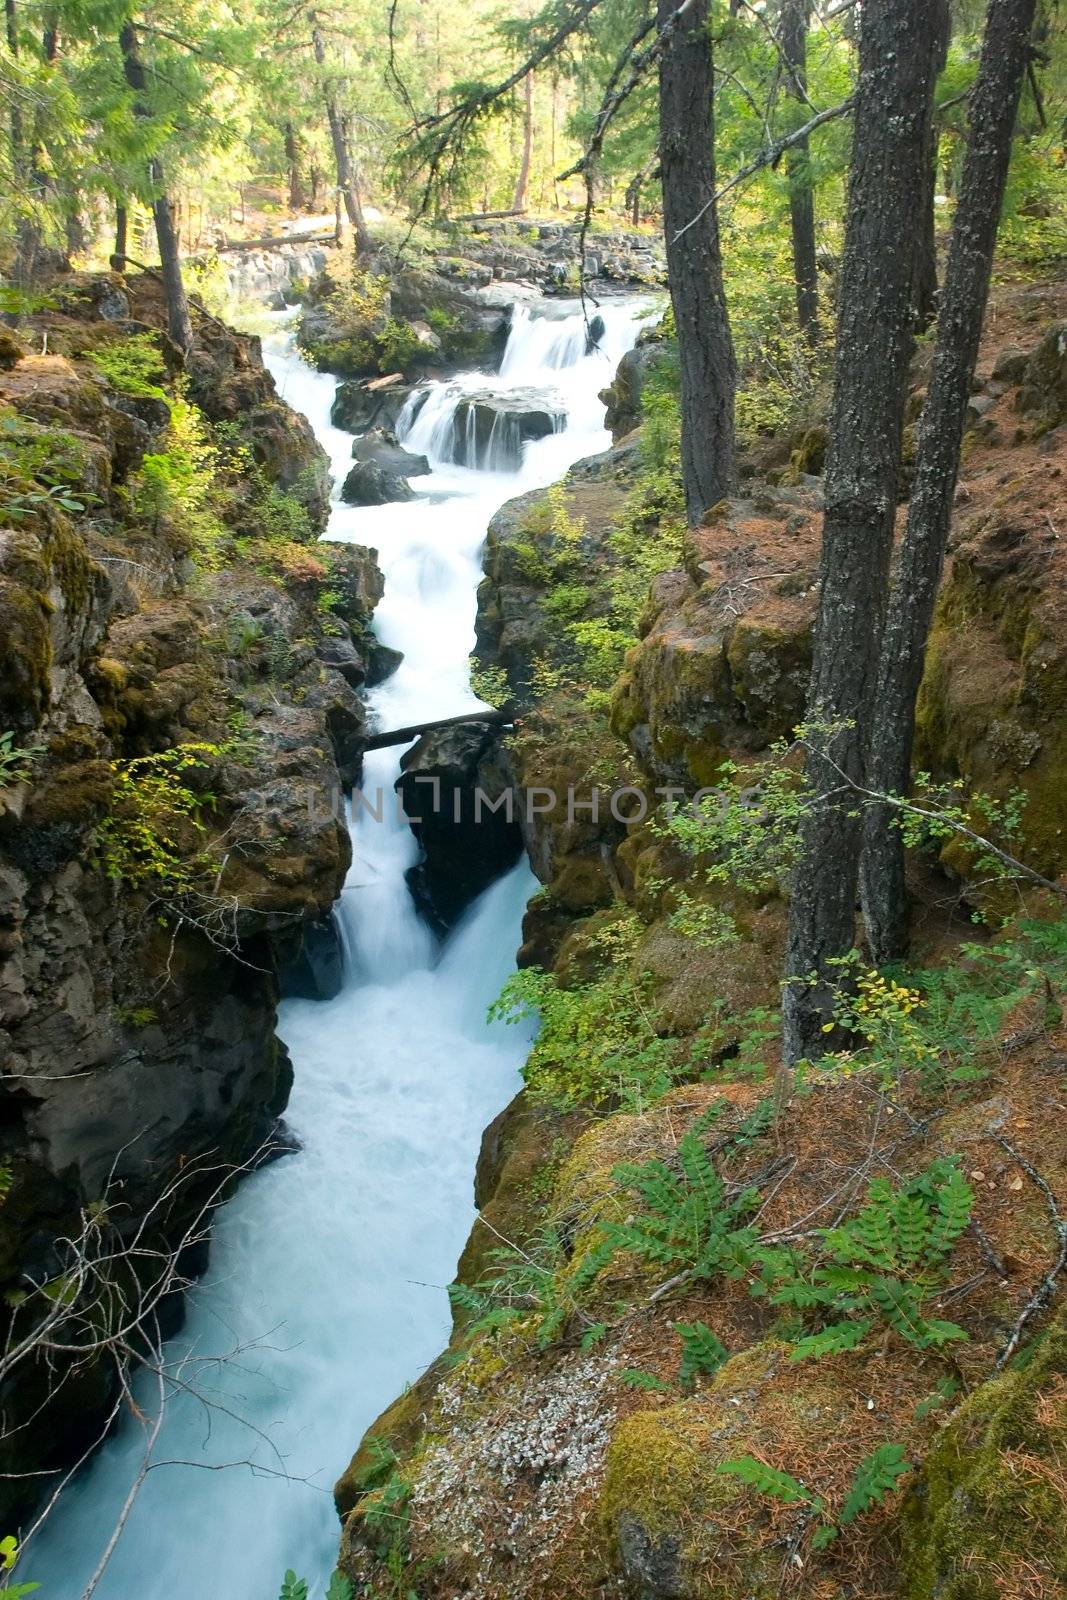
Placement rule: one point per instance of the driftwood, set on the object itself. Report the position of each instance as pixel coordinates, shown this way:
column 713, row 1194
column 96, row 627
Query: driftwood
column 380, row 741
column 275, row 239
column 488, row 216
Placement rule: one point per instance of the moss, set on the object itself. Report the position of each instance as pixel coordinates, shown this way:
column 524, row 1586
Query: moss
column 993, row 704
column 398, row 1426
column 580, row 883
column 25, row 689
column 988, row 1515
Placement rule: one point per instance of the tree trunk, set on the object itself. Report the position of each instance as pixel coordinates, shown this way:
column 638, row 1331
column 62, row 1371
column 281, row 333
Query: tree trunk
column 522, row 182
column 708, row 371
column 27, row 233
column 994, row 106
column 925, row 293
column 893, row 103
column 346, row 182
column 297, row 198
column 179, row 322
column 118, row 259
column 793, row 37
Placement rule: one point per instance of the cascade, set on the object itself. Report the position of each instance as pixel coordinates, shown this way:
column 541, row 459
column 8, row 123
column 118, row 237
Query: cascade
column 325, row 1293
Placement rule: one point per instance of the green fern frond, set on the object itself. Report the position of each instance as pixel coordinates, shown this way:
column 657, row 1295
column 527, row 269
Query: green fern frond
column 777, row 1485
column 702, row 1350
column 875, row 1477
column 840, row 1336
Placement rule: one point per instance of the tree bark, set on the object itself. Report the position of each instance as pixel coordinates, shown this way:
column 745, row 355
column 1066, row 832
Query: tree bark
column 297, row 198
column 925, row 293
column 27, row 233
column 793, row 38
column 994, row 107
column 708, row 371
column 893, row 104
column 179, row 322
column 522, row 182
column 346, row 180
column 118, row 259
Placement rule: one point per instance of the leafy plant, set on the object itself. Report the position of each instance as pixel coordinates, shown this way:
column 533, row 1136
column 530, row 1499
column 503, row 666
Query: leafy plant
column 883, row 1264
column 533, row 1287
column 16, row 761
column 133, row 366
column 875, row 1477
column 702, row 1351
column 634, row 1378
column 9, row 1553
column 686, row 1220
column 20, row 504
column 596, row 1042
column 150, row 836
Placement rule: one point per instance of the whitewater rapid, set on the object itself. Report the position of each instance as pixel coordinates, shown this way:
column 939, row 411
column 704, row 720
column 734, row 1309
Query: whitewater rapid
column 326, row 1292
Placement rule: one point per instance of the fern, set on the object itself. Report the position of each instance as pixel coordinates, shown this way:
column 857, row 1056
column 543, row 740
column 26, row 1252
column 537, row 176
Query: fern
column 702, row 1351
column 339, row 1588
column 838, row 1337
column 875, row 1477
column 293, row 1588
column 685, row 1221
column 777, row 1485
column 884, row 1263
column 634, row 1378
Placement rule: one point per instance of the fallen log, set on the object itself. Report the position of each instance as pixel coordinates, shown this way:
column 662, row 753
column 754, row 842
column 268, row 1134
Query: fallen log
column 487, row 216
column 503, row 718
column 274, row 239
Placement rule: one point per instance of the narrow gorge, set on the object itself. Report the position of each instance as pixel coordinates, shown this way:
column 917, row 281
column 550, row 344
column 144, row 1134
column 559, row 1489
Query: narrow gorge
column 326, row 1289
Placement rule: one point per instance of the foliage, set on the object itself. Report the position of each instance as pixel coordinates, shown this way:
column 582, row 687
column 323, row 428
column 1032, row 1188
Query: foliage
column 16, row 761
column 133, row 366
column 530, row 1290
column 702, row 1351
column 294, row 1588
column 748, row 833
column 178, row 486
column 875, row 1477
column 490, row 683
column 686, row 1219
column 152, row 834
column 883, row 1264
column 9, row 1552
column 598, row 1041
column 36, row 468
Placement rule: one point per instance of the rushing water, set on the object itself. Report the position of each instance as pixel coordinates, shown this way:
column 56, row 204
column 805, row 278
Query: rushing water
column 329, row 1267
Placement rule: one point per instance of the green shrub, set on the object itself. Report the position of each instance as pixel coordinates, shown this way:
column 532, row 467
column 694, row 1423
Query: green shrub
column 133, row 366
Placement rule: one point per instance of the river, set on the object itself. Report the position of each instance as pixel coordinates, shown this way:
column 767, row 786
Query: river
column 326, row 1291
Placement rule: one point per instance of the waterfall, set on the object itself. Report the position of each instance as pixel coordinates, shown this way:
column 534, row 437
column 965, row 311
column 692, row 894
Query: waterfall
column 326, row 1289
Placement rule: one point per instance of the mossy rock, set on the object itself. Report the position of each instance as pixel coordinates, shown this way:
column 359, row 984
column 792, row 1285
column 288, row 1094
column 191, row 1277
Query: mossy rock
column 680, row 1529
column 987, row 1517
column 25, row 630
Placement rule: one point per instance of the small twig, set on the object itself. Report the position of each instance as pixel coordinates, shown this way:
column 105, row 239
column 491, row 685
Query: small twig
column 1045, row 1289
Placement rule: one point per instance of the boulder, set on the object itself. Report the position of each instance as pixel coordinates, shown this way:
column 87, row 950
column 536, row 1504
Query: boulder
column 623, row 396
column 358, row 407
column 381, row 448
column 490, row 430
column 382, row 662
column 314, row 968
column 444, row 784
column 341, row 654
column 370, row 485
column 1044, row 385
column 1010, row 365
column 724, row 663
